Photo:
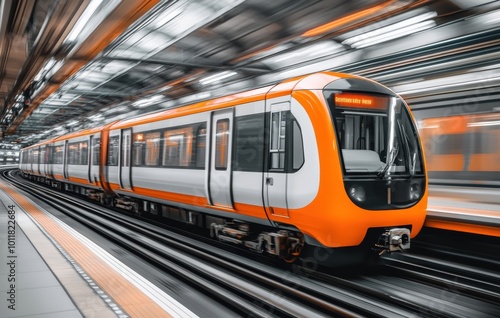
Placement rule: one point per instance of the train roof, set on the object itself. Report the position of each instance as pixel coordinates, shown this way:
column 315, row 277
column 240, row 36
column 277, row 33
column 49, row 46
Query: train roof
column 314, row 81
column 75, row 134
column 48, row 141
column 80, row 133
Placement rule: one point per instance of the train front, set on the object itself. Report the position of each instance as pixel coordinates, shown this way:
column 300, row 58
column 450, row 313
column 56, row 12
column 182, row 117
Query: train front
column 375, row 193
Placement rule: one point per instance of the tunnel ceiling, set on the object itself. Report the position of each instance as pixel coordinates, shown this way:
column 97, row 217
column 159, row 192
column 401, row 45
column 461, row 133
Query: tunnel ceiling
column 130, row 57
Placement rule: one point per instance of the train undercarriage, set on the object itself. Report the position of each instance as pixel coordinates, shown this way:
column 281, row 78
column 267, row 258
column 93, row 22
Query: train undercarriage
column 284, row 243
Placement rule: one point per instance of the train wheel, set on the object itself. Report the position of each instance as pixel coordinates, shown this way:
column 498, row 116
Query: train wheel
column 289, row 259
column 293, row 253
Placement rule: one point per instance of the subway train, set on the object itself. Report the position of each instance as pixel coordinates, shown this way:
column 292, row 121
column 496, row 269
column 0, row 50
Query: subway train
column 326, row 160
column 463, row 149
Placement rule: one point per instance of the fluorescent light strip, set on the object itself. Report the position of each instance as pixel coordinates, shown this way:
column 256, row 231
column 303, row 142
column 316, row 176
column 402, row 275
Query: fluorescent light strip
column 83, row 20
column 148, row 101
column 394, row 34
column 384, row 31
column 430, row 89
column 217, row 77
column 484, row 123
column 395, row 26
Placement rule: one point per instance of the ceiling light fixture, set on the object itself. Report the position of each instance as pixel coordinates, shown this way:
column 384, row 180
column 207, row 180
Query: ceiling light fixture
column 393, row 31
column 83, row 20
column 217, row 77
column 148, row 101
column 356, row 16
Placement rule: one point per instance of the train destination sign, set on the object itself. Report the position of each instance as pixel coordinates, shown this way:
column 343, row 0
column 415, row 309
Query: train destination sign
column 355, row 100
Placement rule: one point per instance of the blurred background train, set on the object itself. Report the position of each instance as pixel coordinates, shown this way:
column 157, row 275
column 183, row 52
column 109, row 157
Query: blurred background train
column 325, row 160
column 463, row 149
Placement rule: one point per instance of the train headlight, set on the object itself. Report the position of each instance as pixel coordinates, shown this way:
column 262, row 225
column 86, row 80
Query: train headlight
column 415, row 191
column 357, row 193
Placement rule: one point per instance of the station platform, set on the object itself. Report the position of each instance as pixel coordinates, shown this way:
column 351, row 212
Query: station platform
column 48, row 269
column 464, row 209
column 29, row 283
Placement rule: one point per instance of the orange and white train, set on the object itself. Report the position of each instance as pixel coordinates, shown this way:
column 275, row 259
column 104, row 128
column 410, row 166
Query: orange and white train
column 325, row 160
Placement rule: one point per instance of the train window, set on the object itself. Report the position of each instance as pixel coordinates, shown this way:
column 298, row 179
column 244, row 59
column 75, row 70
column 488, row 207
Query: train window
column 177, row 148
column 49, row 155
column 42, row 154
column 125, row 154
column 36, row 154
column 375, row 141
column 152, row 155
column 73, row 153
column 201, row 145
column 113, row 151
column 278, row 133
column 297, row 147
column 138, row 150
column 58, row 154
column 221, row 144
column 96, row 151
column 463, row 143
column 249, row 143
column 83, row 158
column 78, row 153
column 173, row 148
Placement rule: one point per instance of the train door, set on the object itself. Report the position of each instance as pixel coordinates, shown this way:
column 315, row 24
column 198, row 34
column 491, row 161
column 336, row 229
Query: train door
column 275, row 180
column 220, row 158
column 30, row 160
column 89, row 159
column 65, row 160
column 38, row 163
column 36, row 160
column 125, row 156
column 94, row 154
column 43, row 159
column 50, row 160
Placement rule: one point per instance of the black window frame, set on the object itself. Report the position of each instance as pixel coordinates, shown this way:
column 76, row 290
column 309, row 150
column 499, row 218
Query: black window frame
column 248, row 140
column 288, row 152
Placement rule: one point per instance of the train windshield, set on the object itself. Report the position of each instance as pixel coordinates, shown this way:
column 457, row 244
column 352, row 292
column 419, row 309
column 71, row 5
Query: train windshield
column 376, row 135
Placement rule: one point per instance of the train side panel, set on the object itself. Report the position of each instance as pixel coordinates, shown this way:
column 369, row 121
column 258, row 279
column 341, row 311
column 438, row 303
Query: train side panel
column 191, row 183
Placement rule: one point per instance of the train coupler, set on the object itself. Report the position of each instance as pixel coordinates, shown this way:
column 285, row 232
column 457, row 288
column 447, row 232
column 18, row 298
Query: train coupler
column 393, row 240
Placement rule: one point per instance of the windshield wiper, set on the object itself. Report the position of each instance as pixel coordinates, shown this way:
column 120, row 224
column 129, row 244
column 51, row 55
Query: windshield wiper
column 392, row 157
column 413, row 160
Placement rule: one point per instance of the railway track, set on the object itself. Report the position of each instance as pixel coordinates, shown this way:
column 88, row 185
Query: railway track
column 404, row 285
